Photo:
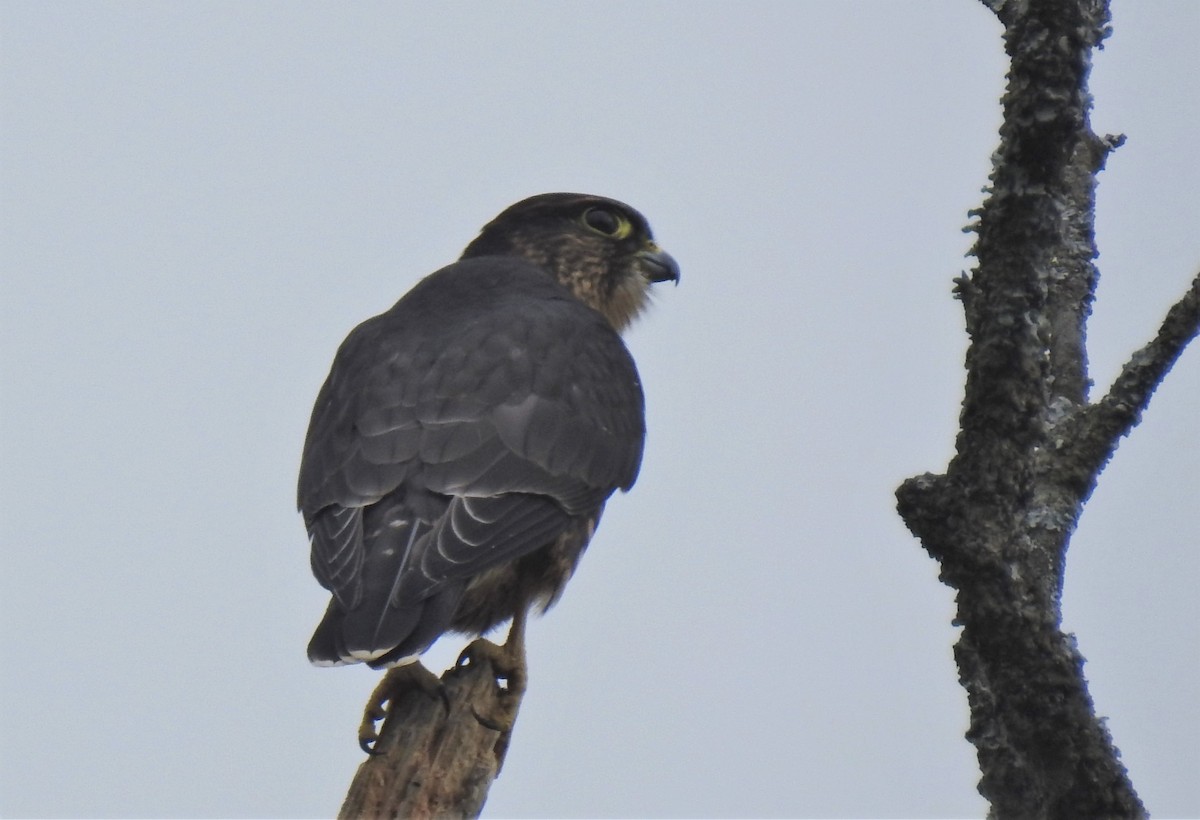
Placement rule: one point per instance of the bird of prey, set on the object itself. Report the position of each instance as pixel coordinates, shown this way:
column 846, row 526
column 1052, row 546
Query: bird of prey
column 462, row 449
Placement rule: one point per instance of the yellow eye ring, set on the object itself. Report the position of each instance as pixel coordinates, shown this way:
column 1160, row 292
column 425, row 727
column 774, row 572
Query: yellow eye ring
column 607, row 222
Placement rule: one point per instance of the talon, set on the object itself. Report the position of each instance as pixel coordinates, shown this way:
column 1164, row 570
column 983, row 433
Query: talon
column 488, row 722
column 368, row 739
column 368, row 744
column 373, row 712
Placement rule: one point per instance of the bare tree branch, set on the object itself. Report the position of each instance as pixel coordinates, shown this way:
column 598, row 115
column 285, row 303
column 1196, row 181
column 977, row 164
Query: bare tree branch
column 1101, row 426
column 1030, row 447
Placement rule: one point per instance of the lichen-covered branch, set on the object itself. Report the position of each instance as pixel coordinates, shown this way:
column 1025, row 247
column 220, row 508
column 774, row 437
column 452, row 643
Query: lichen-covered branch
column 1030, row 446
column 1101, row 426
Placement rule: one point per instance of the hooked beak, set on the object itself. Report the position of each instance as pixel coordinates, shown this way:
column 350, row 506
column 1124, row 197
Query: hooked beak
column 658, row 265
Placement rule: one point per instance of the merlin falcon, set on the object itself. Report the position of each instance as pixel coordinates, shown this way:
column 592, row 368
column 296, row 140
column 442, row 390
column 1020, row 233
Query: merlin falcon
column 462, row 449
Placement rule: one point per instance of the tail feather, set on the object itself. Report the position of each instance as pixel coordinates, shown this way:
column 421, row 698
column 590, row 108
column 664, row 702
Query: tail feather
column 380, row 629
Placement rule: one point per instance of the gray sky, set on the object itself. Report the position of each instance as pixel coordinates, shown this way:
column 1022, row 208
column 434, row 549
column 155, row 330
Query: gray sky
column 200, row 200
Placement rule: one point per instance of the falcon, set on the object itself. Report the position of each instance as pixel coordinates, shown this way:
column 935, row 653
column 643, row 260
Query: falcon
column 462, row 449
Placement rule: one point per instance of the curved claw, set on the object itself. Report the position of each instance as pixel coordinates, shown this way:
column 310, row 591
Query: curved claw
column 491, row 723
column 373, row 712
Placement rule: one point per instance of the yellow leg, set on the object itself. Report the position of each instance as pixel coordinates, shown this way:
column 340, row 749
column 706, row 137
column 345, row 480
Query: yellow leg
column 508, row 664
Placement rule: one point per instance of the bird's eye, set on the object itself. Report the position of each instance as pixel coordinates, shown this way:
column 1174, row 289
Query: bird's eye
column 602, row 220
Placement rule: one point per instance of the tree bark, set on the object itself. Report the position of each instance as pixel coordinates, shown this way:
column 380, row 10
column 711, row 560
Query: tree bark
column 437, row 757
column 1030, row 445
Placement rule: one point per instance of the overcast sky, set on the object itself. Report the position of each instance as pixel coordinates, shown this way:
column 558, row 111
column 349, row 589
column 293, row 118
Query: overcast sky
column 201, row 199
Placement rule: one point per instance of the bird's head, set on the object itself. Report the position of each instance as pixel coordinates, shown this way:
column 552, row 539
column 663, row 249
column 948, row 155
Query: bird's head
column 601, row 249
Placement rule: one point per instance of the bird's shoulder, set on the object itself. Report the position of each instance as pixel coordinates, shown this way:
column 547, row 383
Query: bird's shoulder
column 488, row 328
